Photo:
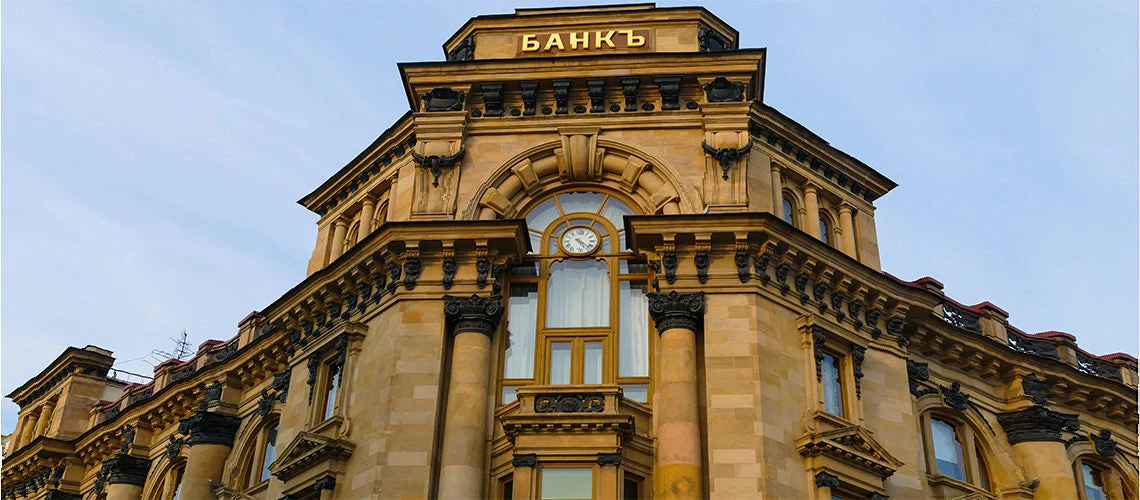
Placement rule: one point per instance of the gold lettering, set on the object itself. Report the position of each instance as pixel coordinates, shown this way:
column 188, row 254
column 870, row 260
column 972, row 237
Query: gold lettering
column 598, row 39
column 632, row 40
column 554, row 40
column 584, row 39
column 529, row 43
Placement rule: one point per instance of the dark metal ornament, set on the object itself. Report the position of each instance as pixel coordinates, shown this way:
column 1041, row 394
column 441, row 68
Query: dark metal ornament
column 726, row 156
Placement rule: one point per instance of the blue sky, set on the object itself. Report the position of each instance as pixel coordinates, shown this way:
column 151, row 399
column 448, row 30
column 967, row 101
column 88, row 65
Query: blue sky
column 152, row 152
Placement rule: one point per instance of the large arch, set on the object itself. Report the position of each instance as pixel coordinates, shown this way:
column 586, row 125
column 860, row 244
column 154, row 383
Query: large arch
column 581, row 159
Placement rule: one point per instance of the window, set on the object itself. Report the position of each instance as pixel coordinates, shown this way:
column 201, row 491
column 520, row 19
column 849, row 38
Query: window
column 947, row 450
column 332, row 382
column 177, row 493
column 954, row 451
column 1096, row 481
column 832, row 386
column 566, row 484
column 268, row 452
column 578, row 306
column 789, row 211
column 824, row 230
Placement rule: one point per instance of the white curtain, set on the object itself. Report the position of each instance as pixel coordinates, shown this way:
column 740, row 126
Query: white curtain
column 522, row 319
column 578, row 294
column 633, row 331
column 559, row 362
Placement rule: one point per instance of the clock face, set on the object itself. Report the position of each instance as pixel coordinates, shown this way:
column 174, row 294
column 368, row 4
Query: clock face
column 579, row 240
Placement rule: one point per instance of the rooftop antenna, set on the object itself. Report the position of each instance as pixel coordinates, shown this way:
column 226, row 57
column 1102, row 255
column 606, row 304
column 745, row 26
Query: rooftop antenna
column 181, row 350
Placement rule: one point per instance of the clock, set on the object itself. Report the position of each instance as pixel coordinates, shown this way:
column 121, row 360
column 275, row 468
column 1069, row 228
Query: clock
column 579, row 240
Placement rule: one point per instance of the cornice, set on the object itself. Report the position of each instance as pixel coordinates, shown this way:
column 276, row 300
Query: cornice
column 73, row 360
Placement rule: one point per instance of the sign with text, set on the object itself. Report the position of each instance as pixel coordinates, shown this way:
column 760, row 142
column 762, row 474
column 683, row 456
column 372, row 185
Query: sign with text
column 585, row 41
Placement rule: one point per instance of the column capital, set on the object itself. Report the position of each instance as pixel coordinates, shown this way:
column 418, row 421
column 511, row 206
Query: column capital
column 810, row 187
column 341, row 221
column 845, row 208
column 677, row 310
column 125, row 469
column 474, row 313
column 824, row 479
column 207, row 427
column 1036, row 424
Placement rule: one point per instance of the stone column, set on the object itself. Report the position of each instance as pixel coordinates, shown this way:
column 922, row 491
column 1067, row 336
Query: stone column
column 210, row 441
column 524, row 475
column 45, row 419
column 678, row 317
column 326, row 486
column 473, row 320
column 339, row 232
column 126, row 476
column 1035, row 433
column 367, row 211
column 609, row 477
column 824, row 483
column 811, row 204
column 777, row 192
column 31, row 422
column 847, row 226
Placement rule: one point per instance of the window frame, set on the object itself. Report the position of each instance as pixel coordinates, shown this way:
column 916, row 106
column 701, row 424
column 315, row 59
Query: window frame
column 254, row 461
column 610, row 334
column 825, row 341
column 969, row 438
column 1109, row 473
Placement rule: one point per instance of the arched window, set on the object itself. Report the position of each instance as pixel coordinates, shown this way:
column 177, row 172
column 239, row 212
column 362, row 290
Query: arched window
column 789, row 211
column 955, row 457
column 259, row 455
column 578, row 306
column 824, row 229
column 1098, row 479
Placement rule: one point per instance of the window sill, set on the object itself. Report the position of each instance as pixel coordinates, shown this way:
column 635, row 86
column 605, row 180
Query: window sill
column 948, row 487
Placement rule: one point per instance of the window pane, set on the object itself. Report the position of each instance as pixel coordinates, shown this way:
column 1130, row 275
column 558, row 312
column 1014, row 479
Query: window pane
column 1094, row 489
column 592, row 371
column 509, row 394
column 832, row 393
column 633, row 330
column 947, row 450
column 559, row 484
column 270, row 451
column 580, row 202
column 636, row 392
column 542, row 215
column 578, row 294
column 522, row 317
column 178, row 483
column 614, row 210
column 984, row 480
column 631, row 489
column 823, row 231
column 789, row 212
column 330, row 394
column 559, row 362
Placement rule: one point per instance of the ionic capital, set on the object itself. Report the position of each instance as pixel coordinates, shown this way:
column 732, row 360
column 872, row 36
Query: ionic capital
column 677, row 310
column 474, row 313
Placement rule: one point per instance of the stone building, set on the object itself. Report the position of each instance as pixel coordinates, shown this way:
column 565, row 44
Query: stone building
column 592, row 262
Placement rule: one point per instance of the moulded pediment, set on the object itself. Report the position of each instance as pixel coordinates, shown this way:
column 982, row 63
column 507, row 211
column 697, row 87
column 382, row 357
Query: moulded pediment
column 307, row 451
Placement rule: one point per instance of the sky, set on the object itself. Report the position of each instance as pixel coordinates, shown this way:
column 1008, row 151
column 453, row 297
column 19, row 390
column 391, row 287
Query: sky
column 151, row 153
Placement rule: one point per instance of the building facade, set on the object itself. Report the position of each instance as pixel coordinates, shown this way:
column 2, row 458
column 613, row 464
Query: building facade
column 592, row 262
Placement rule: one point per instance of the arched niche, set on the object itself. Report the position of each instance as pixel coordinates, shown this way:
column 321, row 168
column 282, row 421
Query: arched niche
column 581, row 159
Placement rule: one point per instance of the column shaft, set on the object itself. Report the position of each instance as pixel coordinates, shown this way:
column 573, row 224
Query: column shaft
column 777, row 192
column 339, row 232
column 367, row 211
column 45, row 419
column 1047, row 461
column 847, row 226
column 29, row 429
column 204, row 463
column 811, row 204
column 123, row 491
column 461, row 474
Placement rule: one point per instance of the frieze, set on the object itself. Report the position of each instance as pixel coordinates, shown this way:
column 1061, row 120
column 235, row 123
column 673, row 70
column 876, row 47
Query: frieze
column 524, row 460
column 1098, row 367
column 723, row 90
column 1104, row 444
column 1035, row 388
column 182, row 373
column 609, row 459
column 449, row 269
column 800, row 155
column 596, row 88
column 474, row 313
column 629, row 88
column 960, row 318
column 701, row 261
column 463, row 51
column 437, row 163
column 1037, row 423
column 443, row 99
column 670, row 88
column 677, row 310
column 669, row 262
column 726, row 156
column 954, row 397
column 742, row 261
column 569, row 403
column 561, row 96
column 824, row 479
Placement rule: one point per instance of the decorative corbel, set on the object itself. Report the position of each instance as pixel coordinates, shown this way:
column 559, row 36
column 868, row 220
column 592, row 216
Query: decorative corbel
column 726, row 156
column 436, row 163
